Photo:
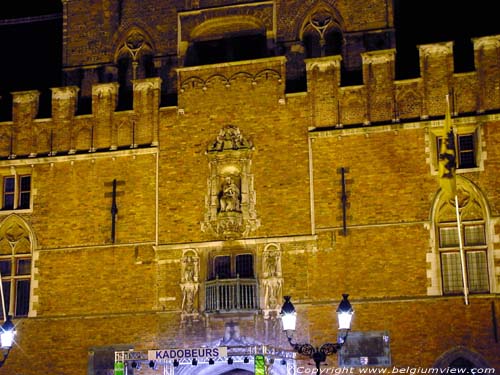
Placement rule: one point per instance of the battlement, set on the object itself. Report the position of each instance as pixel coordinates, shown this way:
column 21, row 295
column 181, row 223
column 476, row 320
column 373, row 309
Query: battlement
column 261, row 82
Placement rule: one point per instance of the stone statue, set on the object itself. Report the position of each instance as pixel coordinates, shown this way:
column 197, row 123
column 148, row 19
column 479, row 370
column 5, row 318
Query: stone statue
column 189, row 282
column 230, row 196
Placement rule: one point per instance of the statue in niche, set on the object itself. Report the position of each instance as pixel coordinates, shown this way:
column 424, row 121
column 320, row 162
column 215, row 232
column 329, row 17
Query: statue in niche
column 190, row 265
column 189, row 282
column 271, row 282
column 272, row 295
column 189, row 292
column 229, row 196
column 272, row 264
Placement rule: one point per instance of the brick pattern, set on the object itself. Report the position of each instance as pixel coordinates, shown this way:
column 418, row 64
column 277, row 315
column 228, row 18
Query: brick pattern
column 88, row 292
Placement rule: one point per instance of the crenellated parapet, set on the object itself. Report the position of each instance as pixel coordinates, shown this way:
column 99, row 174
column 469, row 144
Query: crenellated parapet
column 486, row 59
column 67, row 133
column 381, row 98
column 226, row 88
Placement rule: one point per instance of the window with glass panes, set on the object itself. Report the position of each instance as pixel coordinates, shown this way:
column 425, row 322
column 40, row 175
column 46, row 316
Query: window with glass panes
column 475, row 250
column 228, row 267
column 465, row 145
column 16, row 279
column 16, row 192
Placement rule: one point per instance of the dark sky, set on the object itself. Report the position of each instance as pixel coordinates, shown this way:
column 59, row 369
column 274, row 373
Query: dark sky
column 421, row 21
column 31, row 55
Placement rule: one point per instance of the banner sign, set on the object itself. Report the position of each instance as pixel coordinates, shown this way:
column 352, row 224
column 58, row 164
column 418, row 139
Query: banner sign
column 119, row 368
column 260, row 365
column 166, row 354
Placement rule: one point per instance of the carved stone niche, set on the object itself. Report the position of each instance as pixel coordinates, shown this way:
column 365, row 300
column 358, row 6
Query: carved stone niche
column 190, row 284
column 271, row 281
column 230, row 200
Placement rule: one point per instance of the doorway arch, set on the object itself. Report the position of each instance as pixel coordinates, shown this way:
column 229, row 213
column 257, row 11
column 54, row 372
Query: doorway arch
column 461, row 357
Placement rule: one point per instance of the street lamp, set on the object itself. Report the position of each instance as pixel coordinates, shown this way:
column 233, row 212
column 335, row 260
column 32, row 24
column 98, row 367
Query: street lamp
column 7, row 330
column 317, row 354
column 7, row 333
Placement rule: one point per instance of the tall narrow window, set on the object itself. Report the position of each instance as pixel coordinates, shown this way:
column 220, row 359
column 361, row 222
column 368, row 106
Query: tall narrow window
column 9, row 190
column 222, row 267
column 15, row 267
column 244, row 265
column 476, row 265
column 24, row 191
column 466, row 151
column 16, row 192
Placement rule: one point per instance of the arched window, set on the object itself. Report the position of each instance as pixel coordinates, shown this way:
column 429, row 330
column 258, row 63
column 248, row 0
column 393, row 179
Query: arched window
column 15, row 266
column 474, row 233
column 461, row 358
column 134, row 61
column 322, row 33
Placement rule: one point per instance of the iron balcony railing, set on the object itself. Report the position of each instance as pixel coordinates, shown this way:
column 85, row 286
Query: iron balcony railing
column 229, row 295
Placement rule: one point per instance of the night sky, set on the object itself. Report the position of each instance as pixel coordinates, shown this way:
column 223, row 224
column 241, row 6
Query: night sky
column 31, row 53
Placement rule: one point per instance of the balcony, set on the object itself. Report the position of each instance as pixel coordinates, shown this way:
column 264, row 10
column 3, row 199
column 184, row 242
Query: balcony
column 231, row 295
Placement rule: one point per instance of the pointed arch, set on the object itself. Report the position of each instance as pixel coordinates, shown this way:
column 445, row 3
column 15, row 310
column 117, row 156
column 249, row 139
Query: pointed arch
column 477, row 230
column 134, row 58
column 322, row 30
column 454, row 357
column 16, row 244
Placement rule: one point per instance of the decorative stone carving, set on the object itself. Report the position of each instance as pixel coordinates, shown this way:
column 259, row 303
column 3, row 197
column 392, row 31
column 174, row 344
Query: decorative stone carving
column 230, row 201
column 14, row 237
column 272, row 280
column 229, row 196
column 230, row 138
column 190, row 268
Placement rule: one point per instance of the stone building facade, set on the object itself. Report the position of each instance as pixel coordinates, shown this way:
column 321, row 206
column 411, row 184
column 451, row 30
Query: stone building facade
column 207, row 157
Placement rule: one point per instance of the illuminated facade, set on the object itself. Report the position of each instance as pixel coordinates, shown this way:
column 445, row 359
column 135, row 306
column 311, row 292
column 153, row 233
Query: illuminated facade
column 206, row 158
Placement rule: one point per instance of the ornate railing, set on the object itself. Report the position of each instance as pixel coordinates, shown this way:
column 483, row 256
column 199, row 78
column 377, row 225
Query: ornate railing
column 226, row 295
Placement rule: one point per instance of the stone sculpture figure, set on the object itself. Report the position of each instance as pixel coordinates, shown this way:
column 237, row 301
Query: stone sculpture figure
column 230, row 196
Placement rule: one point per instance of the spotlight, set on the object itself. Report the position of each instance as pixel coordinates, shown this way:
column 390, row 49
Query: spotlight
column 176, row 363
column 230, row 361
column 135, row 365
column 153, row 365
column 246, row 360
column 211, row 361
column 194, row 362
column 283, row 362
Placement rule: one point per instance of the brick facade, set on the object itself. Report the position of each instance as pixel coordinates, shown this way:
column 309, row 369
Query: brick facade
column 91, row 291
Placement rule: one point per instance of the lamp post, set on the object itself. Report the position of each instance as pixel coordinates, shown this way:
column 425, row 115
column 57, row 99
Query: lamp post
column 7, row 333
column 317, row 354
column 7, row 330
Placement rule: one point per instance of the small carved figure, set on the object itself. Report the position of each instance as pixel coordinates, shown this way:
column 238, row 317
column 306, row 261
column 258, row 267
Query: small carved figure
column 272, row 293
column 190, row 269
column 271, row 264
column 188, row 299
column 230, row 196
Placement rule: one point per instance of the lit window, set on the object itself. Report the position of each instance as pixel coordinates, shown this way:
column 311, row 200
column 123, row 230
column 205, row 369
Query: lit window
column 16, row 192
column 227, row 267
column 16, row 279
column 476, row 265
column 232, row 285
column 222, row 267
column 466, row 145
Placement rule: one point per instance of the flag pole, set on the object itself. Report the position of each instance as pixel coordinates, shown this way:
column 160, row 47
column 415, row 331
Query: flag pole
column 457, row 211
column 462, row 253
column 447, row 180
